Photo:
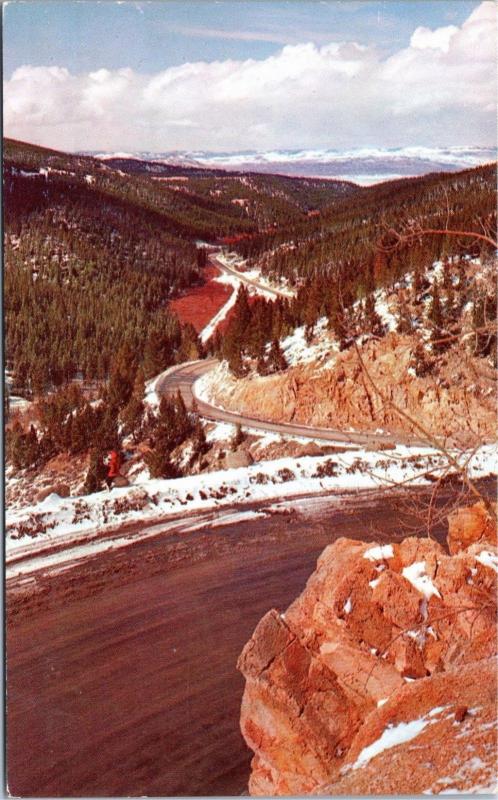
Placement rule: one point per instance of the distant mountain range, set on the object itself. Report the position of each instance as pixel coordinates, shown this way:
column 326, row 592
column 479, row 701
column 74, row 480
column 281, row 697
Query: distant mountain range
column 363, row 165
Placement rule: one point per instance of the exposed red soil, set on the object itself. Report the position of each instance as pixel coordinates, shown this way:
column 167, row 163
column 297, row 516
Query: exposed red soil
column 199, row 305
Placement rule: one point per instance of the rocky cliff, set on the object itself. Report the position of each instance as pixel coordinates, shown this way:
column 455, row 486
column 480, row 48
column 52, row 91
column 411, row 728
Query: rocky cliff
column 456, row 399
column 381, row 677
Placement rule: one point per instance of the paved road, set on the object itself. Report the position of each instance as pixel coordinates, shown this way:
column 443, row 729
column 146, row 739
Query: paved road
column 121, row 676
column 184, row 376
column 240, row 275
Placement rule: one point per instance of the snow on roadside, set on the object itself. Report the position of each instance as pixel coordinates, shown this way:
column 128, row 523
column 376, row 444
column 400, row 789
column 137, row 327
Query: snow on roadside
column 210, row 328
column 232, row 261
column 236, row 263
column 220, row 432
column 224, row 432
column 56, row 517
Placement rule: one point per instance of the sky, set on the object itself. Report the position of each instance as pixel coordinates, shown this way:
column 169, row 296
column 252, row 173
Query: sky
column 229, row 76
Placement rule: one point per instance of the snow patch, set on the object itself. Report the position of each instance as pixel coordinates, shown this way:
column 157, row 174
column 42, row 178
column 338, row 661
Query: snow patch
column 488, row 559
column 393, row 736
column 379, row 552
column 416, row 574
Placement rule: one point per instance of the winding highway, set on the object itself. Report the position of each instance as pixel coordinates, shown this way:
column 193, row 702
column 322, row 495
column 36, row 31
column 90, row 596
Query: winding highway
column 185, row 376
column 121, row 674
column 215, row 261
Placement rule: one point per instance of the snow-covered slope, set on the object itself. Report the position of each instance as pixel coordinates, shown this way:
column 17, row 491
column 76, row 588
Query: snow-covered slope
column 364, row 165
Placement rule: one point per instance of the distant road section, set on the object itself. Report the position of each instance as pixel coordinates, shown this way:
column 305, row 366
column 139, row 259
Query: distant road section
column 213, row 258
column 184, row 377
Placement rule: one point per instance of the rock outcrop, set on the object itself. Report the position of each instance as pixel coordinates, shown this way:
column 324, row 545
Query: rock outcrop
column 376, row 649
column 470, row 525
column 448, row 402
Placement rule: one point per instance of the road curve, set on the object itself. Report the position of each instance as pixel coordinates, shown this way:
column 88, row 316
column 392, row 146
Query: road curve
column 121, row 674
column 213, row 258
column 184, row 376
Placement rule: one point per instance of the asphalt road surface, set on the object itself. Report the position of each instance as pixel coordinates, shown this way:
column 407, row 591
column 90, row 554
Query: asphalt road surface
column 240, row 275
column 184, row 376
column 121, row 677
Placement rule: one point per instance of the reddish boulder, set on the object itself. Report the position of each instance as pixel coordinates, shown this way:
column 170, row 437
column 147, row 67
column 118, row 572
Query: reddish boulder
column 370, row 618
column 436, row 734
column 61, row 489
column 121, row 481
column 470, row 525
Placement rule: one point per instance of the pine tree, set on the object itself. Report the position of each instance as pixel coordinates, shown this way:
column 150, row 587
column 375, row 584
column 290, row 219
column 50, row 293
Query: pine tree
column 120, row 384
column 276, row 359
column 199, row 443
column 107, row 435
column 435, row 311
column 191, row 348
column 262, row 365
column 96, row 471
column 132, row 414
column 81, row 433
column 158, row 460
column 23, row 448
column 372, row 320
column 436, row 318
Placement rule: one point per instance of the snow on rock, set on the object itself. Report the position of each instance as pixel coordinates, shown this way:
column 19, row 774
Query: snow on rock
column 323, row 347
column 218, row 381
column 393, row 736
column 488, row 559
column 338, row 702
column 379, row 552
column 416, row 574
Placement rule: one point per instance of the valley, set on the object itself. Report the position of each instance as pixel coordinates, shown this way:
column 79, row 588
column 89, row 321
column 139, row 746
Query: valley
column 280, row 363
column 251, row 368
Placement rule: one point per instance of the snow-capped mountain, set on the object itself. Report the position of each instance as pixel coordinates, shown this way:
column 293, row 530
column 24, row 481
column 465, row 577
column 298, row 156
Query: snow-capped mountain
column 364, row 165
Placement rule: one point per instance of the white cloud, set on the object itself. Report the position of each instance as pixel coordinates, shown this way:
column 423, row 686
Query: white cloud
column 439, row 39
column 438, row 90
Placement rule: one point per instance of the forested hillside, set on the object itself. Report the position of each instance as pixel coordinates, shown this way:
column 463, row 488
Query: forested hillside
column 344, row 235
column 337, row 261
column 95, row 249
column 93, row 254
column 267, row 200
